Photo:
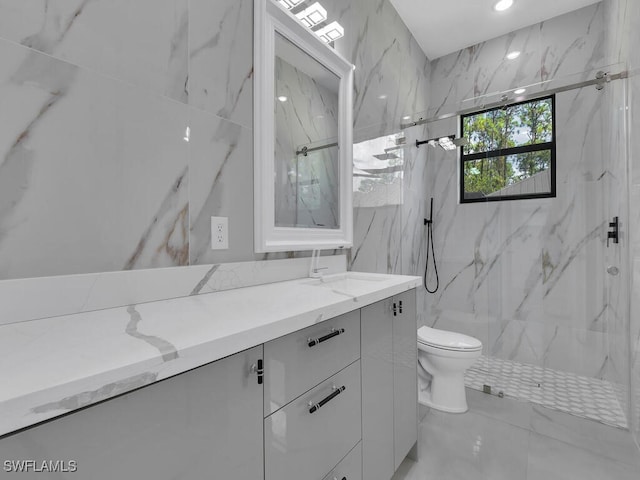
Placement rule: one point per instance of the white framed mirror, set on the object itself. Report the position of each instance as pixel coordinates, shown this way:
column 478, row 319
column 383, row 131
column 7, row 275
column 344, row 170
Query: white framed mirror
column 302, row 136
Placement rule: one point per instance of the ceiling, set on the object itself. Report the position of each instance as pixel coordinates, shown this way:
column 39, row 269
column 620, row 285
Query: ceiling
column 445, row 26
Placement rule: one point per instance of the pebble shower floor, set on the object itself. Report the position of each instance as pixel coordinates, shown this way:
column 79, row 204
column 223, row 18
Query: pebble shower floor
column 567, row 392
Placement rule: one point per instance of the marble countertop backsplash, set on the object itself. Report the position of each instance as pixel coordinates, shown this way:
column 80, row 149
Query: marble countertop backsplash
column 56, row 365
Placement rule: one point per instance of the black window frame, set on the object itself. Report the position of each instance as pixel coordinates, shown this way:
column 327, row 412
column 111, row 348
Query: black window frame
column 551, row 146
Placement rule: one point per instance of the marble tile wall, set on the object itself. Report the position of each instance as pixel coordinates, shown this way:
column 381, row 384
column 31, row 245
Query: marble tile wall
column 97, row 98
column 568, row 45
column 527, row 276
column 123, row 133
column 96, row 171
column 390, row 82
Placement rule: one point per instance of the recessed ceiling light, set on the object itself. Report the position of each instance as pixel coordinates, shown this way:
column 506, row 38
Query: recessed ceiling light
column 513, row 55
column 382, row 97
column 282, row 98
column 502, row 5
column 406, row 117
column 520, row 91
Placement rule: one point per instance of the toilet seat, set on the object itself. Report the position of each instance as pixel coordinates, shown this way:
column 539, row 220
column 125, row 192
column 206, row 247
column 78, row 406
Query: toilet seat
column 445, row 340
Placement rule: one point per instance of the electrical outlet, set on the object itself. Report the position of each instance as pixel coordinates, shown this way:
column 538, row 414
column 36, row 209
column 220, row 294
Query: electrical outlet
column 219, row 233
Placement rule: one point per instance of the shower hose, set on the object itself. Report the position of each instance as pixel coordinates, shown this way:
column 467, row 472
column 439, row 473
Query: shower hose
column 429, row 224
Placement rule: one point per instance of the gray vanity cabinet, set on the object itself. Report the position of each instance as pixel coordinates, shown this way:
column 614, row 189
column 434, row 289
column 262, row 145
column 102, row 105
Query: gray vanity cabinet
column 312, row 401
column 203, row 424
column 339, row 400
column 405, row 385
column 389, row 387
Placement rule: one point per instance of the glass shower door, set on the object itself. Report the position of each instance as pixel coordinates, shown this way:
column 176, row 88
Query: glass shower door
column 553, row 310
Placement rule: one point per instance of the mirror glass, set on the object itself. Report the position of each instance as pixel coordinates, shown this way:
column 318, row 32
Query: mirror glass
column 303, row 137
column 307, row 160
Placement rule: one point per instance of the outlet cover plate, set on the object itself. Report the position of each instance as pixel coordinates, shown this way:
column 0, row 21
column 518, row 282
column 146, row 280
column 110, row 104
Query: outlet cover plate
column 219, row 233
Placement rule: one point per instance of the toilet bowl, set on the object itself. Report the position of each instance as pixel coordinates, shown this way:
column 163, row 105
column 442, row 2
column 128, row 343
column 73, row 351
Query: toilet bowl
column 443, row 358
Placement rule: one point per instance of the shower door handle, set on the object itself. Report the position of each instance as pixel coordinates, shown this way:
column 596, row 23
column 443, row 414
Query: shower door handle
column 613, row 234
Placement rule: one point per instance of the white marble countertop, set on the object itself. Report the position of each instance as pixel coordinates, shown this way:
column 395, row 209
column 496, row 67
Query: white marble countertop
column 52, row 366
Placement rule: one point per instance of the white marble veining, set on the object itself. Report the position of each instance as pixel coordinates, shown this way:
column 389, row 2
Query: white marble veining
column 188, row 65
column 391, row 81
column 108, row 115
column 528, row 276
column 73, row 164
column 60, row 364
column 221, row 58
column 220, row 184
column 117, row 38
column 573, row 43
column 566, row 45
column 66, row 295
column 391, row 70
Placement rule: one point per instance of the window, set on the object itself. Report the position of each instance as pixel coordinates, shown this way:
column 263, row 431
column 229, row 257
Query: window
column 511, row 152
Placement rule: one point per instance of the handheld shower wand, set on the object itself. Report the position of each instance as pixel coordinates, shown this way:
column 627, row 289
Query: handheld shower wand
column 429, row 223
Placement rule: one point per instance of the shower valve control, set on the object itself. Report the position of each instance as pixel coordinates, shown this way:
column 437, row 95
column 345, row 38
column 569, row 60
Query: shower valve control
column 613, row 234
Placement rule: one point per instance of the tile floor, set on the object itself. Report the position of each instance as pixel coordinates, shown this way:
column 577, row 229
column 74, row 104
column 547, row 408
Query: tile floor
column 503, row 438
column 567, row 392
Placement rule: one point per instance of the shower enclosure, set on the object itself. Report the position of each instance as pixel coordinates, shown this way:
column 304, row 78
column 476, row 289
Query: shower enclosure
column 538, row 280
column 541, row 281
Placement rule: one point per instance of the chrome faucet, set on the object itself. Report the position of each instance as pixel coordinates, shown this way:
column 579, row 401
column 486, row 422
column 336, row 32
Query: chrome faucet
column 314, row 267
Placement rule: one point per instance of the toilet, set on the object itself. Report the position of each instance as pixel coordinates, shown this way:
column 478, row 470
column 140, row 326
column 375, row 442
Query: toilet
column 443, row 358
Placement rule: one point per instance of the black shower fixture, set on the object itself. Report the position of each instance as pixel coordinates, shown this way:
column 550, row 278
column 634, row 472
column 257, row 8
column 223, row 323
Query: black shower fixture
column 448, row 142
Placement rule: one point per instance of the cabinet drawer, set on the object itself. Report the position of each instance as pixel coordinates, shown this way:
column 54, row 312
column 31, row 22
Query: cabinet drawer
column 350, row 468
column 292, row 367
column 304, row 445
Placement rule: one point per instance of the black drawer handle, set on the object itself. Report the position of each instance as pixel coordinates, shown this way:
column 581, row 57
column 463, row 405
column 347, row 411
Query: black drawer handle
column 316, row 406
column 334, row 333
column 400, row 306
